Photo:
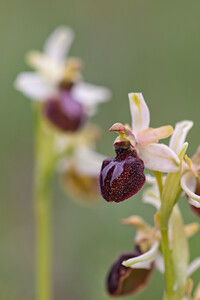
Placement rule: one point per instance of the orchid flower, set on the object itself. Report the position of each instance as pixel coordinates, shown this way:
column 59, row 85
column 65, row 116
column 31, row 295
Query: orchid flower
column 156, row 157
column 57, row 83
column 136, row 148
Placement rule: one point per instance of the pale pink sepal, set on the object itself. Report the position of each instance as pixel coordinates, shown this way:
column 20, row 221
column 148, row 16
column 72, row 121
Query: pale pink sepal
column 178, row 137
column 159, row 157
column 139, row 112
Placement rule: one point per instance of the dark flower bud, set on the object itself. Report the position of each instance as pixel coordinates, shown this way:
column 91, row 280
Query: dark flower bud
column 123, row 176
column 123, row 280
column 64, row 112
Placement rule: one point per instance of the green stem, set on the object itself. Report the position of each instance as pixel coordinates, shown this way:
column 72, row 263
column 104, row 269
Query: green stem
column 44, row 163
column 170, row 194
column 43, row 241
column 169, row 272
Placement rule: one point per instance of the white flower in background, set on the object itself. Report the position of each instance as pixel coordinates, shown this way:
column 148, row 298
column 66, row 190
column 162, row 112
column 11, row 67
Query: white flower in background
column 79, row 173
column 156, row 157
column 59, row 80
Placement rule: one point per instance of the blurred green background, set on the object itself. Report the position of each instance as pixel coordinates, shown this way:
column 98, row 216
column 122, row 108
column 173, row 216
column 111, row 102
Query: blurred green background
column 127, row 45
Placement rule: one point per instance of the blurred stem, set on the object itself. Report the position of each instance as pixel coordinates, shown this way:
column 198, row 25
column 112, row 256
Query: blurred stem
column 44, row 161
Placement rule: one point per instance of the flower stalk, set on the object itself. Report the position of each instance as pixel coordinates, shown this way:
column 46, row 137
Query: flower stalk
column 44, row 163
column 169, row 196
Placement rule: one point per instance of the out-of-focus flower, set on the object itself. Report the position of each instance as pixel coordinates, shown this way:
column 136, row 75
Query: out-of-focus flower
column 57, row 83
column 79, row 174
column 136, row 148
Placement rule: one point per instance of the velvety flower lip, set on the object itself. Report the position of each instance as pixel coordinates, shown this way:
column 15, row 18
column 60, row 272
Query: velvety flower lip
column 123, row 280
column 156, row 157
column 123, row 176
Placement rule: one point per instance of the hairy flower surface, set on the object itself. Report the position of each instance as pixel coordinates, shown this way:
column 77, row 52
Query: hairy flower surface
column 123, row 176
column 57, row 82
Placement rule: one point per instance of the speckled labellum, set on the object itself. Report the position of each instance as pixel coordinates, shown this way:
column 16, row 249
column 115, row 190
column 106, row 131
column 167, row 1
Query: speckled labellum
column 64, row 112
column 123, row 280
column 123, row 176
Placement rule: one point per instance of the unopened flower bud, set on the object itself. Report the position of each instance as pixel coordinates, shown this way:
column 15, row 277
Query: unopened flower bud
column 123, row 176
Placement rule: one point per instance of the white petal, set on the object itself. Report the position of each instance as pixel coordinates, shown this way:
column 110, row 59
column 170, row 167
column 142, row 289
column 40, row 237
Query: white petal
column 139, row 112
column 143, row 261
column 193, row 266
column 150, row 179
column 178, row 137
column 88, row 162
column 47, row 67
column 159, row 263
column 59, row 42
column 34, row 86
column 188, row 184
column 151, row 196
column 159, row 157
column 90, row 95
